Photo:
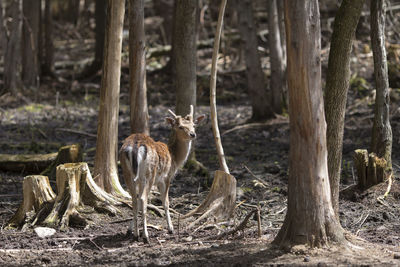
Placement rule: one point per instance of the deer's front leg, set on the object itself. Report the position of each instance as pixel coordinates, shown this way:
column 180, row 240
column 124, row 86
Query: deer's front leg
column 163, row 188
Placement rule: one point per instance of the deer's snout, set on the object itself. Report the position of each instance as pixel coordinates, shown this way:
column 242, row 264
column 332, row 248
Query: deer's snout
column 192, row 135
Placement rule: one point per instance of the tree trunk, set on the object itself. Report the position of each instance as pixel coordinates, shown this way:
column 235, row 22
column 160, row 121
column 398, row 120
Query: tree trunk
column 184, row 55
column 310, row 218
column 12, row 57
column 105, row 162
column 337, row 85
column 277, row 79
column 255, row 76
column 100, row 18
column 47, row 54
column 137, row 66
column 30, row 43
column 381, row 143
column 164, row 9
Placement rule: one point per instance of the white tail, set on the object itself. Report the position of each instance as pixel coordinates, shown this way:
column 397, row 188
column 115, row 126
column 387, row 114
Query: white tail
column 146, row 163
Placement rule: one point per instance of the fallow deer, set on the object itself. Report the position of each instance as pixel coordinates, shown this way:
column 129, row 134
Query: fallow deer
column 146, row 163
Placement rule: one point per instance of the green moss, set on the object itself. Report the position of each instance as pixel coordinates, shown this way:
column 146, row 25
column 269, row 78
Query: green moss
column 246, row 189
column 359, row 84
column 32, row 108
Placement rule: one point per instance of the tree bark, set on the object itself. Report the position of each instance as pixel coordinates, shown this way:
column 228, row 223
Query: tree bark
column 256, row 83
column 184, row 55
column 277, row 79
column 381, row 143
column 105, row 162
column 337, row 85
column 30, row 43
column 310, row 218
column 137, row 66
column 12, row 57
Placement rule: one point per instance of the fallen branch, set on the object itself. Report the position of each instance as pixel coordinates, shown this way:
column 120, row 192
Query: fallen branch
column 240, row 227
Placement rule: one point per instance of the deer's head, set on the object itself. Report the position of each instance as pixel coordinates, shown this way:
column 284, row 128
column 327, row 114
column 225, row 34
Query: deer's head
column 184, row 127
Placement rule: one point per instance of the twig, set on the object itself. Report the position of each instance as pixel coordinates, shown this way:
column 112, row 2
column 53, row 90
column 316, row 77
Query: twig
column 259, row 220
column 240, row 227
column 246, row 126
column 76, row 132
column 255, row 177
column 14, row 250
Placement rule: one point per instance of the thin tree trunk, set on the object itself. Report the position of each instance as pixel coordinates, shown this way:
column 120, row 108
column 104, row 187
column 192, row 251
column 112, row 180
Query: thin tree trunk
column 256, row 82
column 381, row 143
column 12, row 58
column 47, row 54
column 184, row 55
column 277, row 79
column 164, row 8
column 137, row 65
column 337, row 85
column 310, row 218
column 100, row 18
column 30, row 43
column 105, row 162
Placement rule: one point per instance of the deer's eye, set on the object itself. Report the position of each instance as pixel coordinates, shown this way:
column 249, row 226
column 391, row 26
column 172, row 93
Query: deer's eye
column 181, row 127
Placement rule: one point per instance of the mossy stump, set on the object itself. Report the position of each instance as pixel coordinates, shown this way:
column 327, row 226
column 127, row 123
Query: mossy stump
column 371, row 169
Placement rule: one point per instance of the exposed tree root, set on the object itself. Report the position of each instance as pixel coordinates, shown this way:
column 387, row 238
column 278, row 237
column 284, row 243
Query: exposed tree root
column 220, row 201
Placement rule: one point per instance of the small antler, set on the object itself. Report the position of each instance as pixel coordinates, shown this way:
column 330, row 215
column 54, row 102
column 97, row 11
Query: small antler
column 172, row 113
column 191, row 111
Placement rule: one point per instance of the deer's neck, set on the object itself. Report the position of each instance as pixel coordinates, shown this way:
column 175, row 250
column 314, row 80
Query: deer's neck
column 179, row 150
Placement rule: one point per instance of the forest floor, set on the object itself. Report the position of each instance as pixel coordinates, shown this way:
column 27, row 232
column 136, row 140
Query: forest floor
column 257, row 154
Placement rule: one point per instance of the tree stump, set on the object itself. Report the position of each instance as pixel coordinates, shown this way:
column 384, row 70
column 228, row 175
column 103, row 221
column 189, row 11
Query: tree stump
column 75, row 187
column 220, row 201
column 76, row 192
column 66, row 154
column 37, row 193
column 371, row 170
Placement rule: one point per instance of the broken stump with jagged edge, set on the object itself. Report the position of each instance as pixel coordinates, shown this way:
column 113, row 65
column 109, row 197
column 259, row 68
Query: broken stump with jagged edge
column 77, row 196
column 37, row 194
column 220, row 201
column 66, row 154
column 371, row 169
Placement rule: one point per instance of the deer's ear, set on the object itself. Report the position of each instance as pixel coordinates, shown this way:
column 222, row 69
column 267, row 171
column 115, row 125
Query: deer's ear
column 170, row 121
column 199, row 119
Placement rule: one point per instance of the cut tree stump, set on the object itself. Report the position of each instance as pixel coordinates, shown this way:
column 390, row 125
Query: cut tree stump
column 37, row 193
column 371, row 170
column 66, row 154
column 77, row 196
column 220, row 201
column 75, row 187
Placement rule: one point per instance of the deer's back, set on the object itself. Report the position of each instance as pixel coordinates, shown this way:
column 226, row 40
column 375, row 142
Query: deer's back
column 156, row 159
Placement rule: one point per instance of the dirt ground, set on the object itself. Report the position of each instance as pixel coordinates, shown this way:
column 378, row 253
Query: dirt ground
column 40, row 122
